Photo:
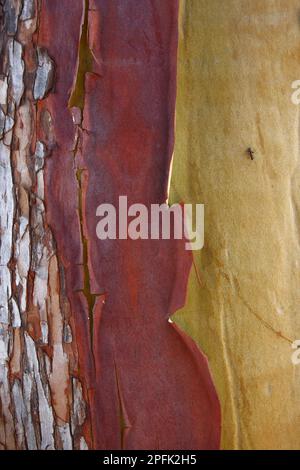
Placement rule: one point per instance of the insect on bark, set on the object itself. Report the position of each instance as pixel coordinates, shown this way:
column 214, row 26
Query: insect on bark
column 251, row 153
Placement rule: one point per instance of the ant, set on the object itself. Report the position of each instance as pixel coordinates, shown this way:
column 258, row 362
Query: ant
column 251, row 152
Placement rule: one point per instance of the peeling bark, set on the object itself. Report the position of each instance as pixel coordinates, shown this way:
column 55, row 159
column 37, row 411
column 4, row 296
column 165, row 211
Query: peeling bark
column 234, row 92
column 42, row 402
column 88, row 356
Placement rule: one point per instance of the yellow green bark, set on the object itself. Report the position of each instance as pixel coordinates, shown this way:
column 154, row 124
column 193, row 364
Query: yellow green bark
column 237, row 61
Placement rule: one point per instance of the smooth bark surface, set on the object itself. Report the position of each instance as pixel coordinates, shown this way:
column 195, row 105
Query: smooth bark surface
column 237, row 62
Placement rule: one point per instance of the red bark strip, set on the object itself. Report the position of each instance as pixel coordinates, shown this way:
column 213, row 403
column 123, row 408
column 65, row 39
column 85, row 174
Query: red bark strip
column 151, row 386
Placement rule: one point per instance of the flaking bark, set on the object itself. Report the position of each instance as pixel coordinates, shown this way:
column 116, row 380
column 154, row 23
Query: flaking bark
column 41, row 396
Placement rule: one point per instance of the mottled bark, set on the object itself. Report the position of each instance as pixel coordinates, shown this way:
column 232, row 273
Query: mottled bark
column 42, row 404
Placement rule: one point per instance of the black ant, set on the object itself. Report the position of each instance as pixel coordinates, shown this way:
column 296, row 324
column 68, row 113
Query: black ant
column 251, row 152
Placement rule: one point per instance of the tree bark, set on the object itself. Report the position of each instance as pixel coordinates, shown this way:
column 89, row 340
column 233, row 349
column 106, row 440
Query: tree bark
column 41, row 394
column 88, row 356
column 237, row 62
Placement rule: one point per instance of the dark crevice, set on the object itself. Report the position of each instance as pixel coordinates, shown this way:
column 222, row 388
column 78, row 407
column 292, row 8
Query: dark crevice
column 85, row 63
column 90, row 298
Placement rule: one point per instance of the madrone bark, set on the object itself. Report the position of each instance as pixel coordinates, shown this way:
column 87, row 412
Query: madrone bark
column 42, row 404
column 88, row 356
column 237, row 62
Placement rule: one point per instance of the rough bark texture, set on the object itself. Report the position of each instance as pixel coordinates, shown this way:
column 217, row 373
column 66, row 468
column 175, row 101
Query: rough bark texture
column 237, row 62
column 88, row 356
column 42, row 405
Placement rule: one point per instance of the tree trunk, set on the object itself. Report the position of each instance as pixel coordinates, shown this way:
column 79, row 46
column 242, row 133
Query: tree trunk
column 41, row 394
column 237, row 62
column 88, row 356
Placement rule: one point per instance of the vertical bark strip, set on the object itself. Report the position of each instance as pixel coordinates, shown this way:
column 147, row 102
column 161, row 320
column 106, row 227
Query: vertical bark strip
column 89, row 358
column 129, row 118
column 237, row 62
column 41, row 397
